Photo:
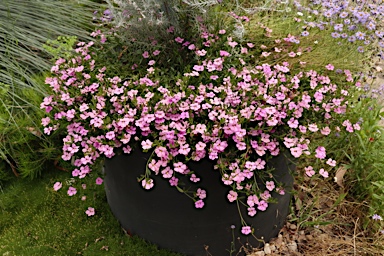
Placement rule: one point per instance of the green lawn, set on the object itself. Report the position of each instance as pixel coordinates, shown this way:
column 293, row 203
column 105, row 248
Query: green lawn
column 36, row 220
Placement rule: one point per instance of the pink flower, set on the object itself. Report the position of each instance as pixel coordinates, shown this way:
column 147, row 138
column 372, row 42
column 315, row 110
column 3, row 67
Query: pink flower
column 246, row 230
column 252, row 200
column 232, row 44
column 110, row 135
column 232, row 196
column 270, row 185
column 325, row 131
column 313, row 127
column 224, row 53
column 222, row 31
column 45, row 121
column 265, row 54
column 296, row 151
column 147, row 183
column 201, row 193
column 167, row 172
column 180, row 167
column 156, row 52
column 330, row 67
column 293, row 123
column 99, row 181
column 57, row 186
column 71, row 191
column 281, row 191
column 320, row 153
column 265, row 195
column 146, row 55
column 290, row 142
column 198, row 68
column 179, row 40
column 323, row 173
column 309, row 171
column 194, row 178
column 199, row 204
column 303, row 129
column 251, row 211
column 260, row 164
column 90, row 211
column 171, row 29
column 161, row 152
column 331, row 162
column 173, row 181
column 147, row 144
column 262, row 205
column 201, row 52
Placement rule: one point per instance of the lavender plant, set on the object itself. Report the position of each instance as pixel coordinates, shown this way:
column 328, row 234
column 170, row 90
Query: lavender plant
column 358, row 25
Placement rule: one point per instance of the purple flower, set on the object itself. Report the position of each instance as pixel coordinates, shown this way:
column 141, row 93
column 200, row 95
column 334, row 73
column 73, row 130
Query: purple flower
column 338, row 27
column 352, row 39
column 360, row 35
column 335, row 35
column 343, row 15
column 371, row 26
column 328, row 14
column 360, row 49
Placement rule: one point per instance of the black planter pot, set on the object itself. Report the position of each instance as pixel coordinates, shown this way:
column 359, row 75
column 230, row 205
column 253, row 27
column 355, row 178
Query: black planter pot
column 169, row 219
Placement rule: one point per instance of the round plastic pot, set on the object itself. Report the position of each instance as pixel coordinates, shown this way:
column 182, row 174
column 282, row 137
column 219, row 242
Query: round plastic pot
column 168, row 218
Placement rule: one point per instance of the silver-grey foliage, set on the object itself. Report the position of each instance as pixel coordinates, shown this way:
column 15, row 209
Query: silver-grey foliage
column 161, row 13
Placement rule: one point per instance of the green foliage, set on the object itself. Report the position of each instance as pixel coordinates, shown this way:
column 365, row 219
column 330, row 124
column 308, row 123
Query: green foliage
column 23, row 148
column 61, row 47
column 35, row 220
column 366, row 158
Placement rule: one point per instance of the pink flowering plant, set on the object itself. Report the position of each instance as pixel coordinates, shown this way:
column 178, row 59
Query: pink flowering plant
column 225, row 105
